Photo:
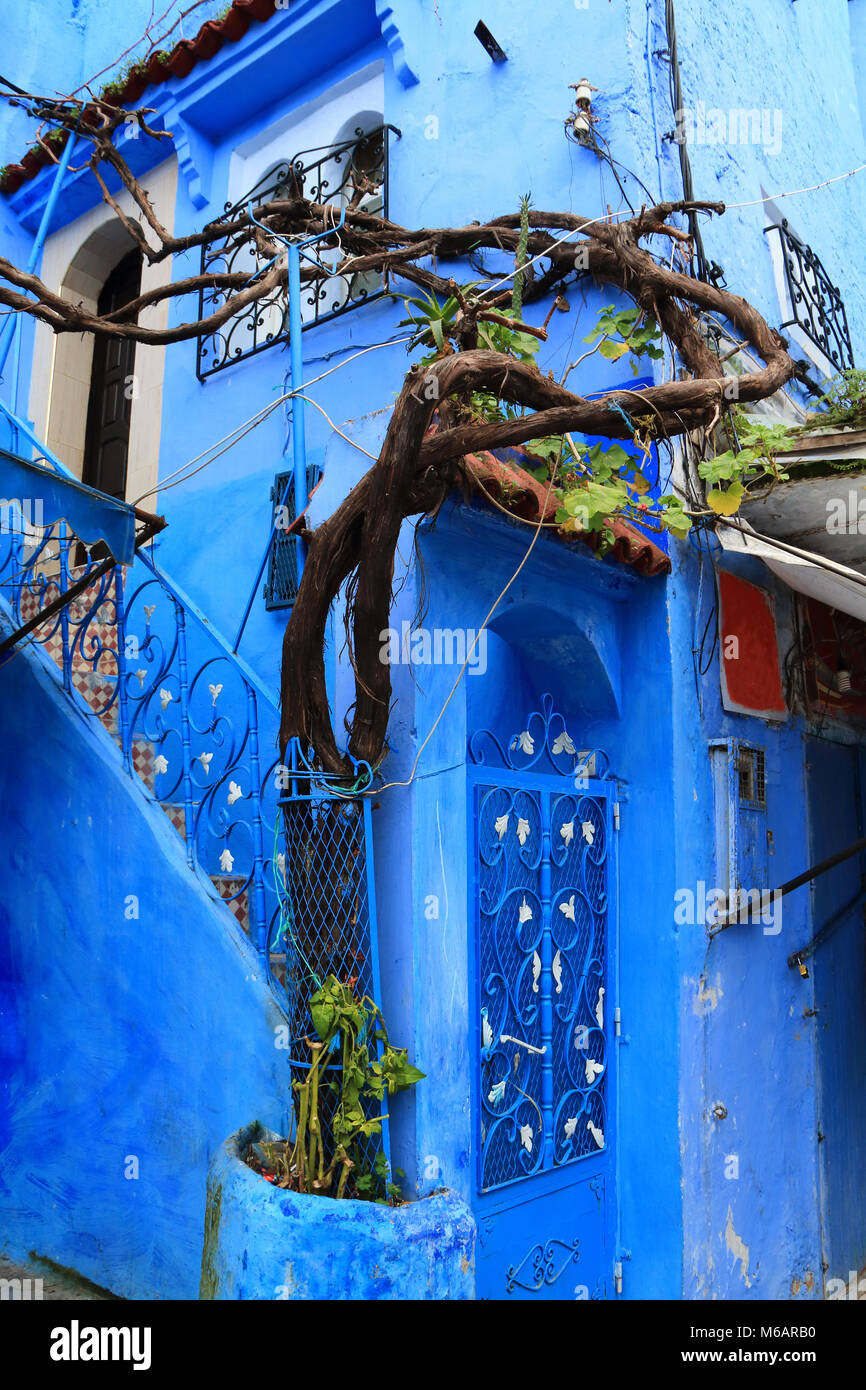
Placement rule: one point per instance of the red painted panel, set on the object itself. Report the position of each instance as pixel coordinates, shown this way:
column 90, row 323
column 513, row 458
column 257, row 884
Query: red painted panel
column 751, row 683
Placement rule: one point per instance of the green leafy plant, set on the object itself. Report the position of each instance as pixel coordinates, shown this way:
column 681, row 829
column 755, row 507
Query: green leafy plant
column 629, row 331
column 741, row 469
column 602, row 483
column 595, row 483
column 845, row 399
column 354, row 1061
column 735, row 474
column 433, row 320
column 520, row 258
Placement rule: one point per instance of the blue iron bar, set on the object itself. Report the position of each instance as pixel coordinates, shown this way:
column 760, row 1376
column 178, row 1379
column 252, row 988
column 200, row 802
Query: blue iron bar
column 12, row 324
column 21, row 425
column 299, row 443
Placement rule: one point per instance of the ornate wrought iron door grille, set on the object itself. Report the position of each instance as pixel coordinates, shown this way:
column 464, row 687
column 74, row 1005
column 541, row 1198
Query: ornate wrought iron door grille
column 351, row 174
column 542, row 845
column 816, row 303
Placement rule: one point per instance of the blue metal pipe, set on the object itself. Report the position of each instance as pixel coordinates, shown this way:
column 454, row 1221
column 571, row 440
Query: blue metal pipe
column 36, row 251
column 299, row 445
column 296, row 364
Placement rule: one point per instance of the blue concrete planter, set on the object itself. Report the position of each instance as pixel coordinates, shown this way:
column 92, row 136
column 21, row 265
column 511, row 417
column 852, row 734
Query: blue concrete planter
column 262, row 1242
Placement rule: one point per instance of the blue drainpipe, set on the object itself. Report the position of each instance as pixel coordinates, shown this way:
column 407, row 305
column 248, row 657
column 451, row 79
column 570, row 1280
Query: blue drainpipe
column 294, row 251
column 12, row 324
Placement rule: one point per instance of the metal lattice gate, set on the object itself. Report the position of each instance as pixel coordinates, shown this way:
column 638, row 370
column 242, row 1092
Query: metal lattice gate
column 326, row 922
column 542, row 842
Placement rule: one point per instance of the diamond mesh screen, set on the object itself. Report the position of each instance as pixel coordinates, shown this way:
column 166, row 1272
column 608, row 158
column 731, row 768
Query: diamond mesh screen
column 327, row 928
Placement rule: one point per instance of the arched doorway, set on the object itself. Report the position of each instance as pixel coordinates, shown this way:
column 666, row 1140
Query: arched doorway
column 78, row 259
column 112, row 387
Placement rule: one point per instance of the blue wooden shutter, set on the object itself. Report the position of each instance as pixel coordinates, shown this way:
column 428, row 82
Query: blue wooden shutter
column 281, row 585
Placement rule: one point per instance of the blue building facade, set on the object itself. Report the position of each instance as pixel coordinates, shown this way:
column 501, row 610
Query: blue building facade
column 689, row 1112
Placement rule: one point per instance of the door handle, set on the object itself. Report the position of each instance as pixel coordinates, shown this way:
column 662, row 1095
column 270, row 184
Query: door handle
column 506, row 1038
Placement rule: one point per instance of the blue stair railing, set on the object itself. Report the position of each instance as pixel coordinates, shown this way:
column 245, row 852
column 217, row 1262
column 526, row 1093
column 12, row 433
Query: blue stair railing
column 193, row 722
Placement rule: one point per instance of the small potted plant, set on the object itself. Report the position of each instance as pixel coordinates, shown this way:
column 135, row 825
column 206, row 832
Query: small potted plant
column 318, row 1215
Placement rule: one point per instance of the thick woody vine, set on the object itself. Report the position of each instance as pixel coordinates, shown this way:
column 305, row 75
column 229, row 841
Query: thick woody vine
column 477, row 388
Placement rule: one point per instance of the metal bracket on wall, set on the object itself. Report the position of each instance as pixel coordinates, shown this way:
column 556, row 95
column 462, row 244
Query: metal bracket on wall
column 797, row 960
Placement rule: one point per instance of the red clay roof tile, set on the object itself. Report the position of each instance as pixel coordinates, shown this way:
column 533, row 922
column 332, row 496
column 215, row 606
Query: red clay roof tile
column 517, row 491
column 180, row 62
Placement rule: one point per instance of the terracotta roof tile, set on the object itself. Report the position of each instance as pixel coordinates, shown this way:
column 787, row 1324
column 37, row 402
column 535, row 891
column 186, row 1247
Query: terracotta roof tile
column 179, row 63
column 517, row 491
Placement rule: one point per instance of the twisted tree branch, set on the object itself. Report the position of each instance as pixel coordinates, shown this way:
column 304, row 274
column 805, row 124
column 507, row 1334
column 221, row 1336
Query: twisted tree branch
column 416, row 468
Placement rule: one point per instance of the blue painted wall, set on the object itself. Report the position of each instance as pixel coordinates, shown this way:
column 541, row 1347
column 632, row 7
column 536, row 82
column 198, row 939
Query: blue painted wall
column 724, row 1023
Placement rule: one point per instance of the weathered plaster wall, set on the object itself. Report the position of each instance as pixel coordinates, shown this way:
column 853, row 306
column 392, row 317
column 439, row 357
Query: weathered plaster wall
column 750, row 1179
column 137, row 1025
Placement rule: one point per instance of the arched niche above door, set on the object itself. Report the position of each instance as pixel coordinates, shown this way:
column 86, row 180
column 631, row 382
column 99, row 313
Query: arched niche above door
column 534, row 647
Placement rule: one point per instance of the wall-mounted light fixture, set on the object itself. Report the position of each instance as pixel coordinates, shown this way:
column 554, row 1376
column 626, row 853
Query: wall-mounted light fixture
column 484, row 37
column 578, row 123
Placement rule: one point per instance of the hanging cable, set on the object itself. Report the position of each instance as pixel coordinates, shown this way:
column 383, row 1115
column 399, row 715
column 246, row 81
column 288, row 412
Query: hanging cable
column 708, row 271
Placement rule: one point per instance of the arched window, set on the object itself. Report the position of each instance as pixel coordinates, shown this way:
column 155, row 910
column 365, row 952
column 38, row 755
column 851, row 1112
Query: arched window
column 79, row 260
column 351, row 170
column 352, row 174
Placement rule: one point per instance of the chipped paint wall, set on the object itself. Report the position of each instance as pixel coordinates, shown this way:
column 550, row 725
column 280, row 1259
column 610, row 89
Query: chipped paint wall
column 751, row 1046
column 724, row 1025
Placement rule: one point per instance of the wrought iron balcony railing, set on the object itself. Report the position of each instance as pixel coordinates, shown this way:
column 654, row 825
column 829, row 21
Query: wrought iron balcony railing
column 351, row 174
column 816, row 303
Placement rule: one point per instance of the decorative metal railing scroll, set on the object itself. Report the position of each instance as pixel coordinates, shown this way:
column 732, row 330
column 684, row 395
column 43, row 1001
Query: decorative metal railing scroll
column 816, row 303
column 193, row 722
column 351, row 174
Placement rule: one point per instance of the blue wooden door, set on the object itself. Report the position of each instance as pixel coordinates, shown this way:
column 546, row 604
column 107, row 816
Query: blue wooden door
column 543, row 903
column 839, row 968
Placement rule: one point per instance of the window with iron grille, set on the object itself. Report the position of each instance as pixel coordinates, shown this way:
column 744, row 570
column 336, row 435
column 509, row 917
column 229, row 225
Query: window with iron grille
column 281, row 585
column 813, row 302
column 352, row 174
column 751, row 776
column 741, row 828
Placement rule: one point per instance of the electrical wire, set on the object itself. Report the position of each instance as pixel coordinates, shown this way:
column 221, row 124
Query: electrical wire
column 496, row 602
column 301, row 397
column 616, row 216
column 247, row 425
column 795, row 192
column 607, row 155
column 706, row 271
